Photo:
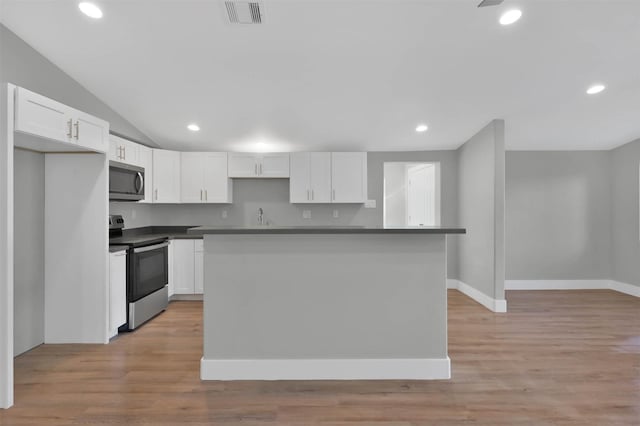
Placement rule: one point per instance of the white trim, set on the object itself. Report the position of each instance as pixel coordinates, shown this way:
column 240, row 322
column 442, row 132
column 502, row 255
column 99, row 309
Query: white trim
column 618, row 286
column 556, row 284
column 495, row 305
column 630, row 289
column 326, row 369
column 6, row 252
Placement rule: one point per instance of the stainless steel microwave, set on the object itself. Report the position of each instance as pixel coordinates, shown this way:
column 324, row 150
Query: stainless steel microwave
column 126, row 182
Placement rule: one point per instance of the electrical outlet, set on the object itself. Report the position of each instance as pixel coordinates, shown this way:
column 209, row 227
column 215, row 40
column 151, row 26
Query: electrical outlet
column 336, row 214
column 224, row 214
column 306, row 214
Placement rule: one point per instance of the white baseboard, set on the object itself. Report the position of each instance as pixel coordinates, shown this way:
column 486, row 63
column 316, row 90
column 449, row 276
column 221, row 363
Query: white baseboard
column 630, row 289
column 495, row 305
column 325, row 369
column 556, row 284
column 573, row 285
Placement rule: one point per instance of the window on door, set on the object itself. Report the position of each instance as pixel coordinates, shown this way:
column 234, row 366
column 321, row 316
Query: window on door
column 411, row 194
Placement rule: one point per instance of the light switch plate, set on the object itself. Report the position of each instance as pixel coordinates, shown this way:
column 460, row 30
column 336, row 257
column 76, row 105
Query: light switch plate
column 370, row 204
column 306, row 214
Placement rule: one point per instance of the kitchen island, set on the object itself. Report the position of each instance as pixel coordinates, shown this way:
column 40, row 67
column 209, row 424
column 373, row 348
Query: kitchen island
column 288, row 303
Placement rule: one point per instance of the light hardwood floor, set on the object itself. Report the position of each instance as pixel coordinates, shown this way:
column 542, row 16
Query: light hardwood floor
column 557, row 358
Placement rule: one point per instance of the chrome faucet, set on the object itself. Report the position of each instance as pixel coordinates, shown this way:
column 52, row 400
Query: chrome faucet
column 260, row 216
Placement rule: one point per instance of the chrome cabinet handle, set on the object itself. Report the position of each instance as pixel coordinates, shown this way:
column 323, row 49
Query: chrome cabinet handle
column 124, row 152
column 312, row 195
column 307, row 195
column 156, row 194
column 70, row 125
column 201, row 195
column 77, row 130
column 255, row 169
column 206, row 195
column 260, row 169
column 333, row 192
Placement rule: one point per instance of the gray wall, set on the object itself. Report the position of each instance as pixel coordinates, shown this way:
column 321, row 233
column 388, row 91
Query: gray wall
column 625, row 234
column 23, row 66
column 559, row 214
column 481, row 211
column 28, row 250
column 273, row 196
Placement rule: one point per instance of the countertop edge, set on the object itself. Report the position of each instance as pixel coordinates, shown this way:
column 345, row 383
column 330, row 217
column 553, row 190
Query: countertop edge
column 311, row 230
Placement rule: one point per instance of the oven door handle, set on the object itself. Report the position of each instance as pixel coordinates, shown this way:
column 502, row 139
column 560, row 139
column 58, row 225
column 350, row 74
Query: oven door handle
column 149, row 248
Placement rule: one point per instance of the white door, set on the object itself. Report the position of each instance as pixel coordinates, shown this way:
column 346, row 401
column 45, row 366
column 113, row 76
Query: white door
column 183, row 267
column 242, row 164
column 421, row 195
column 191, row 177
column 216, row 183
column 91, row 132
column 299, row 187
column 349, row 177
column 118, row 291
column 41, row 116
column 274, row 165
column 320, row 177
column 166, row 176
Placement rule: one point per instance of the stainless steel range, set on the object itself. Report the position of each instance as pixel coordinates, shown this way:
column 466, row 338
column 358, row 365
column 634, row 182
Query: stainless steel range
column 147, row 273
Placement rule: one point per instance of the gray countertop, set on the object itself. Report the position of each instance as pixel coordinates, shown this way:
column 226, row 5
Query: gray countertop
column 321, row 230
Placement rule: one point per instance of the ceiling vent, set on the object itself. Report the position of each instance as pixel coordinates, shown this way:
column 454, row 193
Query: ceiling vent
column 244, row 12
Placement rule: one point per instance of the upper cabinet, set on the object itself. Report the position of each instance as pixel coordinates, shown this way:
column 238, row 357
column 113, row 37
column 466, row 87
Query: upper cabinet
column 310, row 180
column 253, row 165
column 65, row 128
column 348, row 177
column 124, row 151
column 323, row 177
column 166, row 176
column 204, row 178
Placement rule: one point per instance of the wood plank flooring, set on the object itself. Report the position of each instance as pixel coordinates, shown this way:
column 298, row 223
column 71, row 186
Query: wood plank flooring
column 557, row 358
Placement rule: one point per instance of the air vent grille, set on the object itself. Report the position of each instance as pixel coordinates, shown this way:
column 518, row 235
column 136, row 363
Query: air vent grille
column 244, row 12
column 486, row 3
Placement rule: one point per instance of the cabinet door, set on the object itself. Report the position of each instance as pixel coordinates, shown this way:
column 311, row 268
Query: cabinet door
column 114, row 149
column 183, row 266
column 274, row 165
column 41, row 116
column 117, row 291
column 349, row 177
column 166, row 176
column 191, row 177
column 217, row 185
column 91, row 132
column 299, row 186
column 242, row 164
column 198, row 267
column 320, row 177
column 145, row 160
column 170, row 267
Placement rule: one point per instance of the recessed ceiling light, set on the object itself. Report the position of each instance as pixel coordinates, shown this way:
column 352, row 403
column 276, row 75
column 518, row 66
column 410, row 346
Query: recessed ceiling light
column 422, row 128
column 510, row 16
column 90, row 9
column 596, row 88
column 193, row 127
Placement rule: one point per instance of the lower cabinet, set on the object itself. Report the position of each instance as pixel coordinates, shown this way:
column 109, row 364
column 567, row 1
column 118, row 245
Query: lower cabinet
column 117, row 291
column 188, row 267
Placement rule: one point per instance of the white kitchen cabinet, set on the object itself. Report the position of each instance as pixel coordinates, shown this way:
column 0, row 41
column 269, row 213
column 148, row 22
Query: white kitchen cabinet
column 145, row 160
column 117, row 291
column 204, row 178
column 183, row 267
column 254, row 165
column 124, row 151
column 71, row 129
column 310, row 180
column 198, row 265
column 348, row 177
column 188, row 267
column 166, row 176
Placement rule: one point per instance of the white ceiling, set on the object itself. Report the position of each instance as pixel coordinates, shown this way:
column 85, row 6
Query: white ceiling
column 352, row 74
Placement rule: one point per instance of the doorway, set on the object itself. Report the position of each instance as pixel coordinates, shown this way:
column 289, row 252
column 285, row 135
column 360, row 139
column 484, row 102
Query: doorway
column 411, row 194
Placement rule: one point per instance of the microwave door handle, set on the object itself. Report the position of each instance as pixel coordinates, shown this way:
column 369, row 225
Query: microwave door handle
column 140, row 178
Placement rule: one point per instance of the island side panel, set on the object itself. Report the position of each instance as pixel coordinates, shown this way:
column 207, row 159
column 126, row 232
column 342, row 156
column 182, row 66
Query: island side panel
column 325, row 297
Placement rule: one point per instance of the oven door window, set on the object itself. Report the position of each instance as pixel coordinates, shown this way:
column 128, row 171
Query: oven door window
column 150, row 272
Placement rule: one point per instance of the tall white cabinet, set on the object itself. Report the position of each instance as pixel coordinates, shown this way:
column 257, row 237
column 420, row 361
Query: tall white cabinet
column 204, row 178
column 254, row 165
column 166, row 176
